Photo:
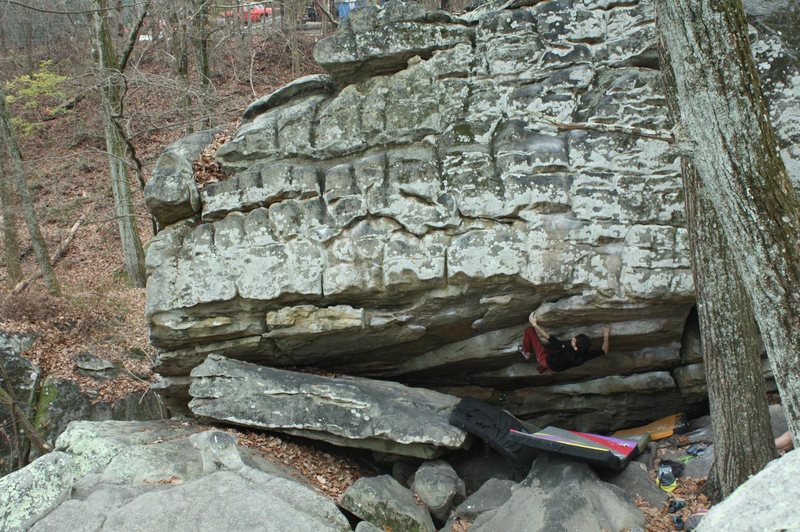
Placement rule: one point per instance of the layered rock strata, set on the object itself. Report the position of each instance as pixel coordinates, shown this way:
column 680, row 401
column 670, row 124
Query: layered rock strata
column 400, row 217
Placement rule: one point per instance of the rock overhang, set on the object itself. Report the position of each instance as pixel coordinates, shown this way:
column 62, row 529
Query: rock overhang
column 430, row 195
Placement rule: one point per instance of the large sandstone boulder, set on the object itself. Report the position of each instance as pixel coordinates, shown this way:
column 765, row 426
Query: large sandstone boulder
column 118, row 475
column 401, row 217
column 347, row 411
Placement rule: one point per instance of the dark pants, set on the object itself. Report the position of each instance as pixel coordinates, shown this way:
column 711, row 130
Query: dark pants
column 532, row 344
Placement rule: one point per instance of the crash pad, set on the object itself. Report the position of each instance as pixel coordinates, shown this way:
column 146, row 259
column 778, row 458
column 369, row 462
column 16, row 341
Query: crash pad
column 604, row 452
column 493, row 425
column 659, row 429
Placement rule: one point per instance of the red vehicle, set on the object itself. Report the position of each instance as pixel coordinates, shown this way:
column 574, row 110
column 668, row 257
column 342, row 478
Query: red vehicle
column 250, row 13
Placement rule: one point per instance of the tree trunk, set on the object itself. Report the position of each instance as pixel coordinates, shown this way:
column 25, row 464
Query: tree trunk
column 743, row 442
column 10, row 242
column 292, row 12
column 200, row 40
column 179, row 35
column 726, row 131
column 115, row 145
column 37, row 241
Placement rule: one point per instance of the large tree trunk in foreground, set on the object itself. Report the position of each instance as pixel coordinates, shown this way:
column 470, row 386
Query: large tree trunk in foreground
column 743, row 442
column 725, row 128
column 23, row 191
column 103, row 50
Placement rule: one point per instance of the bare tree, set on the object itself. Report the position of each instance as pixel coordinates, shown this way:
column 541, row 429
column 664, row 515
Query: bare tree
column 200, row 40
column 10, row 242
column 724, row 129
column 112, row 68
column 8, row 139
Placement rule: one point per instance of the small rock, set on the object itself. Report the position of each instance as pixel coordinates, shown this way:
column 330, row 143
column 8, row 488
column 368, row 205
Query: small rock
column 493, row 494
column 438, row 486
column 384, row 502
column 91, row 362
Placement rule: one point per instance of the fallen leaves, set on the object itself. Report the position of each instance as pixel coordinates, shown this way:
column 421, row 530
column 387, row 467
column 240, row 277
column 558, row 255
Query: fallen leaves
column 205, row 167
column 689, row 490
column 330, row 474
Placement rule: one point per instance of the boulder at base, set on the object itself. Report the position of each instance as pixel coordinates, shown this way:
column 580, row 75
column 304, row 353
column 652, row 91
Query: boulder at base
column 384, row 502
column 767, row 501
column 164, row 475
column 562, row 495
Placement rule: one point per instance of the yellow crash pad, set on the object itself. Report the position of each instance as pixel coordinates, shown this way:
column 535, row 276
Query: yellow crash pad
column 659, row 429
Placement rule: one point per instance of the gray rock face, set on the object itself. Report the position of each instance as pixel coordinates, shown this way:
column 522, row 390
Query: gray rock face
column 347, row 411
column 493, row 494
column 21, row 377
column 157, row 475
column 29, row 493
column 562, row 495
column 438, row 486
column 767, row 501
column 401, row 218
column 171, row 193
column 385, row 503
column 61, row 402
column 635, row 480
column 614, row 401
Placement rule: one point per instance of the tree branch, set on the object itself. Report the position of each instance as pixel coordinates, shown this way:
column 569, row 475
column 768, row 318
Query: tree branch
column 327, row 13
column 55, row 12
column 7, row 397
column 133, row 37
column 57, row 256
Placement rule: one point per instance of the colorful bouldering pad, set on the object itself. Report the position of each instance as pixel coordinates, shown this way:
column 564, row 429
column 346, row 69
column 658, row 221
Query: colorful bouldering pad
column 659, row 429
column 493, row 425
column 604, row 452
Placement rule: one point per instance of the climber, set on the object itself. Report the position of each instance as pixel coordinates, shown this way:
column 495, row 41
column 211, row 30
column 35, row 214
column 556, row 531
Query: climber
column 559, row 355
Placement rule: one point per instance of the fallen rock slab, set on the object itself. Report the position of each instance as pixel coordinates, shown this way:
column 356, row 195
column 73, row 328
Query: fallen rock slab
column 346, row 411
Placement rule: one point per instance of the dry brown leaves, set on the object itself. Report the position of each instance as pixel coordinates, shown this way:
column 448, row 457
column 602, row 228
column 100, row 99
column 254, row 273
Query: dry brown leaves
column 331, row 474
column 110, row 327
column 461, row 525
column 688, row 489
column 206, row 168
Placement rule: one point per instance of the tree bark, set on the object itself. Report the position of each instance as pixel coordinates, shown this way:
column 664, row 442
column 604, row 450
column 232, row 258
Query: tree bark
column 200, row 40
column 743, row 442
column 103, row 50
column 10, row 241
column 23, row 191
column 725, row 129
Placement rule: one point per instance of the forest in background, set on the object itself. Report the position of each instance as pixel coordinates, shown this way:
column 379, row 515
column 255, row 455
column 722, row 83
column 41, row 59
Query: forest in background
column 194, row 65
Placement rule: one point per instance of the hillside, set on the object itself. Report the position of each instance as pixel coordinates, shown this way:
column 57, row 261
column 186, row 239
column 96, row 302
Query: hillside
column 67, row 170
